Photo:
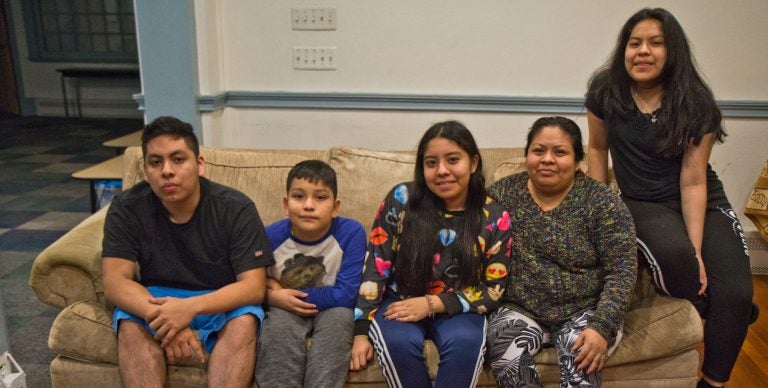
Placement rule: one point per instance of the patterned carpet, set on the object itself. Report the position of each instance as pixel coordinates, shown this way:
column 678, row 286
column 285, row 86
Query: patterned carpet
column 39, row 202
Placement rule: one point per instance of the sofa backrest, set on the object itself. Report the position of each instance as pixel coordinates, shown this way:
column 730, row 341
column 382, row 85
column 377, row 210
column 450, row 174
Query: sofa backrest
column 364, row 176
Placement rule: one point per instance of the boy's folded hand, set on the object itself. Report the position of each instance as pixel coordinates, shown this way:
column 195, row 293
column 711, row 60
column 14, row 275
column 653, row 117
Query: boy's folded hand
column 290, row 300
column 362, row 353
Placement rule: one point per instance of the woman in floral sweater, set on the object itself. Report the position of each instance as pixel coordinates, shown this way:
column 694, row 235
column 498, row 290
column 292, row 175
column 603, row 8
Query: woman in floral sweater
column 438, row 258
column 574, row 263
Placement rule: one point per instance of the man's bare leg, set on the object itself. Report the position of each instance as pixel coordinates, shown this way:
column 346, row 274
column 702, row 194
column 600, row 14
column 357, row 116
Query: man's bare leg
column 234, row 356
column 142, row 361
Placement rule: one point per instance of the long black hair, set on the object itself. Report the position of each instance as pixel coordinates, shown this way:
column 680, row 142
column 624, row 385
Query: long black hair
column 688, row 107
column 424, row 218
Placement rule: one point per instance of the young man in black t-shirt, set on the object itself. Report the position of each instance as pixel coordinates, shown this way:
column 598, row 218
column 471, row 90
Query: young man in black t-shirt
column 200, row 250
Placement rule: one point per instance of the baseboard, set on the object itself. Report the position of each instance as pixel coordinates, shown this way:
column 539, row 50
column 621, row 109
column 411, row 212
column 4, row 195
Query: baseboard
column 758, row 253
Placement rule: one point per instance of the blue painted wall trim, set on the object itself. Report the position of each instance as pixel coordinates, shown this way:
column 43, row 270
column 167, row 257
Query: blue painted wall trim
column 409, row 102
column 168, row 60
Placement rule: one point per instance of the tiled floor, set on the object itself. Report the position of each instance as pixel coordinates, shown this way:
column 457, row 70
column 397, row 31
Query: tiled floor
column 39, row 202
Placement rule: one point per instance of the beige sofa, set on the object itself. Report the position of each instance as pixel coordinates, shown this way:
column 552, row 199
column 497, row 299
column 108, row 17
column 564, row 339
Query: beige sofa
column 661, row 333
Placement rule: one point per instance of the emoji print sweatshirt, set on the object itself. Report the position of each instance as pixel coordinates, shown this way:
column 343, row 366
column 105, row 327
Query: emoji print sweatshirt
column 377, row 282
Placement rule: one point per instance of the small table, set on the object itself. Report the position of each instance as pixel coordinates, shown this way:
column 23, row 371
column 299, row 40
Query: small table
column 123, row 142
column 111, row 169
column 76, row 73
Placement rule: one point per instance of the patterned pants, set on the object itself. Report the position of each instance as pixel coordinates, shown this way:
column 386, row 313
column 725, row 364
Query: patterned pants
column 513, row 339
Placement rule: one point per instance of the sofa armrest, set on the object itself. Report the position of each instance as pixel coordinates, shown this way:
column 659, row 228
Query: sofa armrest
column 69, row 270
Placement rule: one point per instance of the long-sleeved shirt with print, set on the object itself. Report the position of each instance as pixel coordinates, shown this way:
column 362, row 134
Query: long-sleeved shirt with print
column 580, row 255
column 333, row 262
column 494, row 239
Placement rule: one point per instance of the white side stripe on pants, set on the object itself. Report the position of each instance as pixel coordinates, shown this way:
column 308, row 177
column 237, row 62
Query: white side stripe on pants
column 658, row 278
column 481, row 358
column 387, row 365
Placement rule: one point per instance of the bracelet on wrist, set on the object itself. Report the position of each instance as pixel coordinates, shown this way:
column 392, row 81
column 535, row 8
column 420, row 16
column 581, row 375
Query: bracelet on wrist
column 431, row 304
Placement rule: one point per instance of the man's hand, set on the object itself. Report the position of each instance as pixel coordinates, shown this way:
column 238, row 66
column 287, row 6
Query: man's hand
column 362, row 352
column 593, row 350
column 171, row 316
column 290, row 300
column 409, row 310
column 184, row 349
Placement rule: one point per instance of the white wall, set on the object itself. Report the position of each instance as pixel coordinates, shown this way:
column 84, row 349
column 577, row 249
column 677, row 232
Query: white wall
column 41, row 83
column 492, row 47
column 453, row 47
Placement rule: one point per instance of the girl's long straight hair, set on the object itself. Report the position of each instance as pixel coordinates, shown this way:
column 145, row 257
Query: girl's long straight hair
column 424, row 217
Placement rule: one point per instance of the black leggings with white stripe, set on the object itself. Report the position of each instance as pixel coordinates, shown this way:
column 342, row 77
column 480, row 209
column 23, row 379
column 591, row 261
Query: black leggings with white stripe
column 726, row 305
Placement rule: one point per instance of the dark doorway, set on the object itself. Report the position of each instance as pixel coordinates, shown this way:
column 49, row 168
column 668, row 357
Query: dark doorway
column 9, row 99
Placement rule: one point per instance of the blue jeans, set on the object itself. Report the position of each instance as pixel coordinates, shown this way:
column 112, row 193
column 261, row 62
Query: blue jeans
column 460, row 341
column 207, row 325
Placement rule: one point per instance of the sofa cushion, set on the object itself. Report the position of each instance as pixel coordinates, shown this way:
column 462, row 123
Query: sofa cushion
column 69, row 373
column 509, row 167
column 83, row 331
column 493, row 157
column 250, row 172
column 69, row 270
column 666, row 371
column 658, row 325
column 132, row 172
column 364, row 178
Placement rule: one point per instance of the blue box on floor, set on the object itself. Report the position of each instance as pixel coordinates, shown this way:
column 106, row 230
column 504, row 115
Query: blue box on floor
column 106, row 190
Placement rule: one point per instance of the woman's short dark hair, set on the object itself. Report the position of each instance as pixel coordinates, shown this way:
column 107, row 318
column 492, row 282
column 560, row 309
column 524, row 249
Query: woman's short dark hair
column 424, row 213
column 567, row 125
column 171, row 126
column 688, row 107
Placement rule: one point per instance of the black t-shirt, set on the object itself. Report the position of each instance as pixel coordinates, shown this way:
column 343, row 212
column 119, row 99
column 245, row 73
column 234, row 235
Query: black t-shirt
column 641, row 171
column 223, row 238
